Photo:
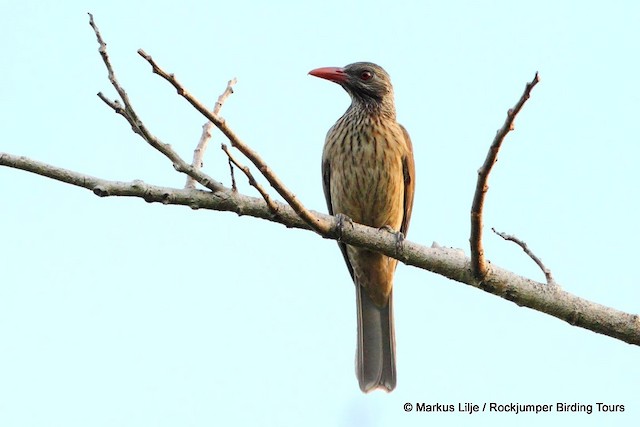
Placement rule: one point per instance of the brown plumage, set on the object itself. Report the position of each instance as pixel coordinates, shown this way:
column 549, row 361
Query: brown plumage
column 368, row 175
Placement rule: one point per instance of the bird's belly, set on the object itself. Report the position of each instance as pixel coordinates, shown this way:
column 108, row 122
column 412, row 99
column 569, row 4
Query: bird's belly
column 367, row 185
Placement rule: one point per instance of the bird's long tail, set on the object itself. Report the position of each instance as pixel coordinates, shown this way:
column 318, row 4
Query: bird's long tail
column 376, row 352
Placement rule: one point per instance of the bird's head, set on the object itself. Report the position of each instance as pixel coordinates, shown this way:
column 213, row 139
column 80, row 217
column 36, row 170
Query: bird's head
column 368, row 84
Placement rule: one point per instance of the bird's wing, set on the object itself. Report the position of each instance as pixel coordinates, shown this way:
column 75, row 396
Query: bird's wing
column 326, row 185
column 409, row 172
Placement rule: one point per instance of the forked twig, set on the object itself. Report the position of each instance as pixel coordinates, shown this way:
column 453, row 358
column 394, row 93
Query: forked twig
column 316, row 223
column 245, row 169
column 478, row 261
column 126, row 110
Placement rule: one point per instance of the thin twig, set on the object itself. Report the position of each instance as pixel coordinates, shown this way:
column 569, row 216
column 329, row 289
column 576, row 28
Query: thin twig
column 234, row 187
column 198, row 153
column 478, row 261
column 252, row 181
column 107, row 62
column 126, row 110
column 316, row 223
column 525, row 248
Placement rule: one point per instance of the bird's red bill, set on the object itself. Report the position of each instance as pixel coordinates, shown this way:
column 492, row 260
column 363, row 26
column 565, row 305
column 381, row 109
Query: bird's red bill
column 335, row 74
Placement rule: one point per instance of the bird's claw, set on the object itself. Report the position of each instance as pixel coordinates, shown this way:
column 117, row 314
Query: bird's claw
column 399, row 239
column 341, row 219
column 387, row 228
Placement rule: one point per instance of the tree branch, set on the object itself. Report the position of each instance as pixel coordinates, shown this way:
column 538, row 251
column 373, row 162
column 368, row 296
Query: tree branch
column 198, row 152
column 317, row 224
column 449, row 263
column 252, row 181
column 479, row 263
column 138, row 126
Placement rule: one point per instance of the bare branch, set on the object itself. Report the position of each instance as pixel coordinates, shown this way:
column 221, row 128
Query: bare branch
column 245, row 169
column 198, row 153
column 105, row 58
column 479, row 263
column 316, row 223
column 224, row 95
column 525, row 248
column 447, row 262
column 138, row 126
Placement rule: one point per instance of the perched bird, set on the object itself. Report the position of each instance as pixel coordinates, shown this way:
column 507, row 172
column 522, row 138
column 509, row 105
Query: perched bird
column 368, row 175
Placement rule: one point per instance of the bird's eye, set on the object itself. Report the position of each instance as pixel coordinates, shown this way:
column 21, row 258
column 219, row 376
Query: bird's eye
column 366, row 75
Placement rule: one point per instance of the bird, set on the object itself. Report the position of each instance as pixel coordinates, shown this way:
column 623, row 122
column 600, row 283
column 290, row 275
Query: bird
column 368, row 176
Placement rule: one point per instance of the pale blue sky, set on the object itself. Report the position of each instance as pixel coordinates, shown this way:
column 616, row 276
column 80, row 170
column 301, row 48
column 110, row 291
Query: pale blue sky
column 114, row 312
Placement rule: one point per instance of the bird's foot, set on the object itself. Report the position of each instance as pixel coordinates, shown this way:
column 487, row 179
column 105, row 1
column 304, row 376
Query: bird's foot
column 399, row 239
column 341, row 219
column 388, row 228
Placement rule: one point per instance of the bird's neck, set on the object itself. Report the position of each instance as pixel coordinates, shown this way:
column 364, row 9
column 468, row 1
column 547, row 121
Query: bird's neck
column 373, row 107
